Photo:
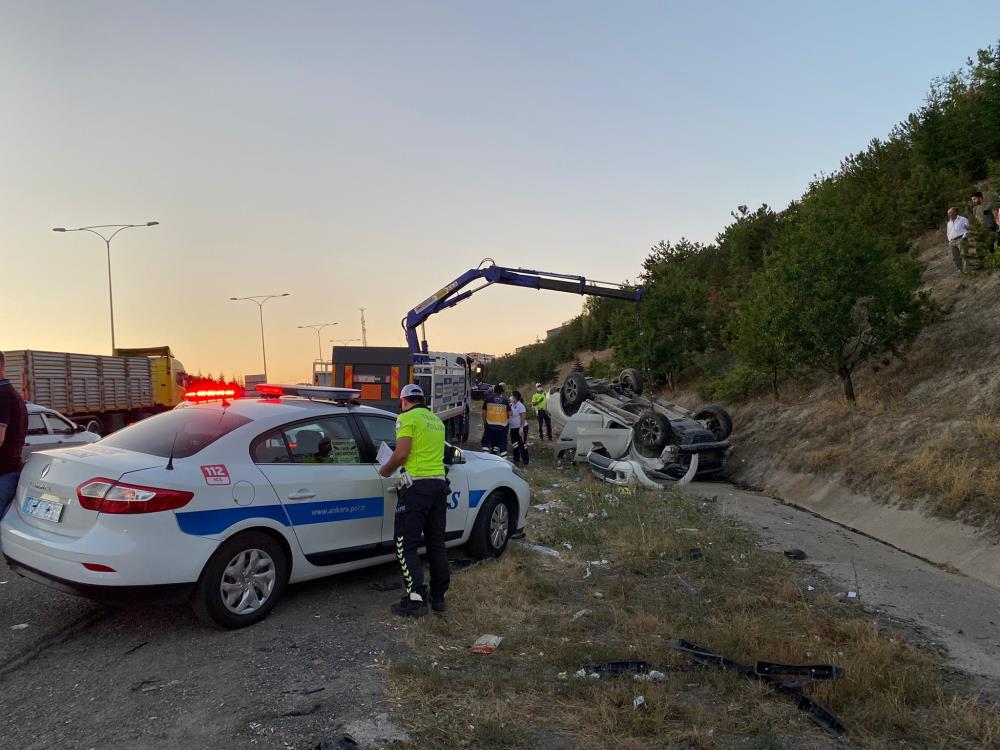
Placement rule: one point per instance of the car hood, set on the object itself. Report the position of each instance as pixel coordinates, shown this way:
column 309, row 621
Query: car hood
column 473, row 456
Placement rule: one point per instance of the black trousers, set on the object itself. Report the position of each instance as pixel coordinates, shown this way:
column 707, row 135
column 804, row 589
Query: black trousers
column 421, row 515
column 519, row 448
column 543, row 414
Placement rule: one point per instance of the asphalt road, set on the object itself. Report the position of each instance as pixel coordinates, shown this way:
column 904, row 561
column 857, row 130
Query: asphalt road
column 82, row 676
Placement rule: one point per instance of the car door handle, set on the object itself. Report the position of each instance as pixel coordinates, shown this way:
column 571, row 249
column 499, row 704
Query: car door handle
column 301, row 495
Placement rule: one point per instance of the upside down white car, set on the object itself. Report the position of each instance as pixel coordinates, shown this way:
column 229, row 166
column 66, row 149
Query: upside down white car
column 227, row 502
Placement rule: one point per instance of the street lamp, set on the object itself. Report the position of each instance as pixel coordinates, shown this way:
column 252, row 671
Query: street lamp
column 318, row 327
column 343, row 341
column 259, row 300
column 107, row 242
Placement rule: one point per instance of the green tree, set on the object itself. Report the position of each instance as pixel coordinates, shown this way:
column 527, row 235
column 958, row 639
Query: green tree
column 842, row 298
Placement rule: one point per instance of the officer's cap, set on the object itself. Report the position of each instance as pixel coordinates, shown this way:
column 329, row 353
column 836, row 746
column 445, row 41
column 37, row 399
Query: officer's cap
column 411, row 390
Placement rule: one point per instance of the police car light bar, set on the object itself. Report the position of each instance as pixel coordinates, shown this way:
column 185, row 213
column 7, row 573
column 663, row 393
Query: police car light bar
column 210, row 395
column 316, row 393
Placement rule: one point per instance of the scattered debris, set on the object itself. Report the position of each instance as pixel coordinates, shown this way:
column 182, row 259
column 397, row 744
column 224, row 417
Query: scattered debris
column 136, row 648
column 776, row 676
column 639, row 701
column 486, row 644
column 543, row 550
column 598, row 563
column 567, row 545
column 795, row 554
column 687, row 586
column 547, row 506
column 604, row 515
column 693, row 553
column 847, row 595
column 343, row 742
column 22, row 626
column 581, row 613
column 598, row 595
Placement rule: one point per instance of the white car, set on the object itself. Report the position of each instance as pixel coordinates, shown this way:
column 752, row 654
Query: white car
column 47, row 428
column 229, row 501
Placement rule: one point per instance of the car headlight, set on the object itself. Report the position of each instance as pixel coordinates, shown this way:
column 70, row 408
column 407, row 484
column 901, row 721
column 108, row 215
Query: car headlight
column 518, row 472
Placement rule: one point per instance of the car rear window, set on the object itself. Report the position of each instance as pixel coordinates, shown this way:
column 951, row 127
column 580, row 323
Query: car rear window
column 187, row 431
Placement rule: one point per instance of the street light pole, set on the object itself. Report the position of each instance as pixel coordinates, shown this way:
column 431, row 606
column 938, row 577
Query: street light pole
column 259, row 300
column 107, row 243
column 318, row 327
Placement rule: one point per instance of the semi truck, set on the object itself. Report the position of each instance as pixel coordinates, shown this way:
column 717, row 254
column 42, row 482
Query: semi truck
column 103, row 393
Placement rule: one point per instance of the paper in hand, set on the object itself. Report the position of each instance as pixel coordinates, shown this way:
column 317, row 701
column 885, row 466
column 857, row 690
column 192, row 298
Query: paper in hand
column 384, row 454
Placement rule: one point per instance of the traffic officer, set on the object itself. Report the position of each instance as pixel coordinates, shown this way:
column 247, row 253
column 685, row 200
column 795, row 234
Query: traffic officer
column 422, row 504
column 540, row 403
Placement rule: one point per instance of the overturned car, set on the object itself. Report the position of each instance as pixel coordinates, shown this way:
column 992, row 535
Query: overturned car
column 630, row 439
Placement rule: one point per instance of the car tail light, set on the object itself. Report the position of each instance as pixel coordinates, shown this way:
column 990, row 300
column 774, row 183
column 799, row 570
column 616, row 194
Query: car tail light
column 99, row 568
column 109, row 496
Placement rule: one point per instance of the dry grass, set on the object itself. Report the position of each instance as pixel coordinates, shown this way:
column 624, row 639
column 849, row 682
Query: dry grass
column 747, row 605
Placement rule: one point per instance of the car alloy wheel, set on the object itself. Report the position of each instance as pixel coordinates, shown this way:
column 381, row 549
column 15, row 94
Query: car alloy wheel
column 248, row 581
column 499, row 526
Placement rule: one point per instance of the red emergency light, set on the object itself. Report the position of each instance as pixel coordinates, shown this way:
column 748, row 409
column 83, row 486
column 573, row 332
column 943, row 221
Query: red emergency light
column 218, row 394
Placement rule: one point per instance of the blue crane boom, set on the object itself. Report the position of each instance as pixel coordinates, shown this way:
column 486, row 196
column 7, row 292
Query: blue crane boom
column 452, row 294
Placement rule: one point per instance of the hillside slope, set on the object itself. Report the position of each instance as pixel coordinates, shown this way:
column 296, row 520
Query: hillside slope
column 925, row 431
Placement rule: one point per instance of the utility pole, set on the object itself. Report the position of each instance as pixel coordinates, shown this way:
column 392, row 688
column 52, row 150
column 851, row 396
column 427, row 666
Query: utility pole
column 364, row 331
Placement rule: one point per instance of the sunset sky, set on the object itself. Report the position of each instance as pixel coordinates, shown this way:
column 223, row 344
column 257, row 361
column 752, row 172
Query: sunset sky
column 365, row 154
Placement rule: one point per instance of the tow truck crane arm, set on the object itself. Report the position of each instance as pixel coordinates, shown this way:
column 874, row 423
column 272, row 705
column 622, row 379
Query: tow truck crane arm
column 490, row 273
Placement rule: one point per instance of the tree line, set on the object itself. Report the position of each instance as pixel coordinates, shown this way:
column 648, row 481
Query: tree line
column 829, row 284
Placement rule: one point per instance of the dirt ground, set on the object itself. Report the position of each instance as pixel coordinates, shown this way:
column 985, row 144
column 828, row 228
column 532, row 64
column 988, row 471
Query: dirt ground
column 82, row 676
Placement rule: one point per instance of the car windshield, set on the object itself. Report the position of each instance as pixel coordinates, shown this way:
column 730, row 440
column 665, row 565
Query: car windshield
column 186, row 431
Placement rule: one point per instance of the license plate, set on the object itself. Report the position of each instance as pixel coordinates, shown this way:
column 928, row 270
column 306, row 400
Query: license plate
column 42, row 509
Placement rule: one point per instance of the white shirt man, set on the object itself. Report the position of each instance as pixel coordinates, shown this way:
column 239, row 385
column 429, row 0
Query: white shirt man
column 958, row 226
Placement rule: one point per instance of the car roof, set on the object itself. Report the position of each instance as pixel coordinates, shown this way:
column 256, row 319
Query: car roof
column 35, row 408
column 287, row 407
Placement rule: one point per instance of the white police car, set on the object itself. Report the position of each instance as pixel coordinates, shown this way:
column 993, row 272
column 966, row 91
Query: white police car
column 231, row 500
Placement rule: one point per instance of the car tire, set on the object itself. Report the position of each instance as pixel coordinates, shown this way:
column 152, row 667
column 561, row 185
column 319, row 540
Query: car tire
column 94, row 425
column 573, row 393
column 492, row 529
column 719, row 422
column 223, row 569
column 631, row 381
column 651, row 432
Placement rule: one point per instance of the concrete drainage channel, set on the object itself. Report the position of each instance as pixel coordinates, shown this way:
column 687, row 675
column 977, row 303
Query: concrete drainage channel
column 892, row 581
column 936, row 540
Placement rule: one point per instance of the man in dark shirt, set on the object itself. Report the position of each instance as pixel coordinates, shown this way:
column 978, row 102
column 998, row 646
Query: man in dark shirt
column 13, row 426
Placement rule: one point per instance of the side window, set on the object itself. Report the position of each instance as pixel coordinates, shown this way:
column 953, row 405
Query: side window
column 35, row 425
column 379, row 429
column 58, row 424
column 270, row 448
column 323, row 441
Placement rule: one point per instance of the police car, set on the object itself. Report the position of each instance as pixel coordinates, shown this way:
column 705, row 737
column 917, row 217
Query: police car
column 227, row 501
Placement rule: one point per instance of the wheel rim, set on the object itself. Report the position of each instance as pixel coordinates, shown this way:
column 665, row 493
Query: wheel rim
column 649, row 432
column 499, row 526
column 248, row 581
column 570, row 391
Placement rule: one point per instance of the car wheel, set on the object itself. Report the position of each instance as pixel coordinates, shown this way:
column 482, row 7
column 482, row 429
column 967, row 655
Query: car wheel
column 94, row 426
column 242, row 581
column 631, row 381
column 651, row 432
column 717, row 420
column 574, row 392
column 491, row 531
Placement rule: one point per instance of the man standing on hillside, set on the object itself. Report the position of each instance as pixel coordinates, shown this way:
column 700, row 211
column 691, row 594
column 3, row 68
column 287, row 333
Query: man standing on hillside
column 13, row 427
column 988, row 218
column 496, row 412
column 958, row 227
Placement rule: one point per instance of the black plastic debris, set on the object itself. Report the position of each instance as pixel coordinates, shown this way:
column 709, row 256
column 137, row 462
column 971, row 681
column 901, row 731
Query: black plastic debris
column 795, row 554
column 776, row 675
column 343, row 742
column 694, row 553
column 615, row 668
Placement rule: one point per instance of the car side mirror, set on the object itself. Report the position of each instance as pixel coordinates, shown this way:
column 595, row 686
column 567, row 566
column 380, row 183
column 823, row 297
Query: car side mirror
column 453, row 455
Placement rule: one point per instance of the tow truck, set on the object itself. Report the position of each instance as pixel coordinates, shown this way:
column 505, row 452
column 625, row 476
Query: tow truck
column 380, row 372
